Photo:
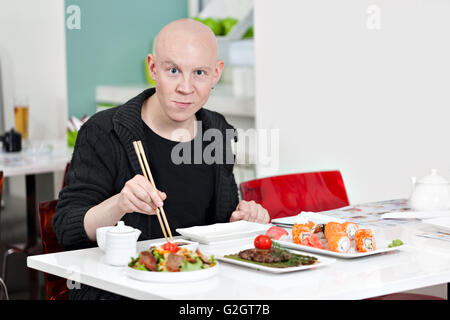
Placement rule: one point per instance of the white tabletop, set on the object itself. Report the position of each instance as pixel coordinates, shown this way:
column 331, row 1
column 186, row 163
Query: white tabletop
column 422, row 262
column 37, row 157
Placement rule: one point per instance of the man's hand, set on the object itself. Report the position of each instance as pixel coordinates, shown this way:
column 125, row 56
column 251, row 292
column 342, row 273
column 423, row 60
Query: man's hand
column 250, row 211
column 138, row 195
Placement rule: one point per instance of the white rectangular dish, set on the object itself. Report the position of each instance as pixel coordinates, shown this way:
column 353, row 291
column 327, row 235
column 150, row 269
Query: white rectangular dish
column 322, row 261
column 315, row 217
column 223, row 231
column 442, row 223
column 382, row 247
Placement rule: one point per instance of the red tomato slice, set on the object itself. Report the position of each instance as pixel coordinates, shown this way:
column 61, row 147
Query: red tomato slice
column 263, row 242
column 171, row 246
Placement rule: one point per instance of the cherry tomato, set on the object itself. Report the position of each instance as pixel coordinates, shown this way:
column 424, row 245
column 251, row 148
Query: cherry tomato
column 263, row 242
column 171, row 246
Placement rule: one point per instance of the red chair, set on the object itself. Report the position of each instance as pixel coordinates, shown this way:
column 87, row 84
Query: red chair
column 55, row 287
column 287, row 195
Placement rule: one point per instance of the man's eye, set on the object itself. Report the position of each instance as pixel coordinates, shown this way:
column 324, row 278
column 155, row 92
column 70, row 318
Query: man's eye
column 173, row 70
column 199, row 72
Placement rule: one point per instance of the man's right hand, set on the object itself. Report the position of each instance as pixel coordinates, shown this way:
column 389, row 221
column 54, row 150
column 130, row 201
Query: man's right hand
column 139, row 195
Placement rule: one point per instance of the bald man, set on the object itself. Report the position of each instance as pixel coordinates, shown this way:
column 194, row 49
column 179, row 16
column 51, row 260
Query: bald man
column 105, row 184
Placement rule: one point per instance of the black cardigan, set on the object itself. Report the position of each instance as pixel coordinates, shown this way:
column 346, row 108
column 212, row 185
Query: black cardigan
column 104, row 159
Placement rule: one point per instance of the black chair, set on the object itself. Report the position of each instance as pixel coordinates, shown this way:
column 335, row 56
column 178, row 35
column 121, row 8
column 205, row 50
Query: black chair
column 29, row 250
column 4, row 294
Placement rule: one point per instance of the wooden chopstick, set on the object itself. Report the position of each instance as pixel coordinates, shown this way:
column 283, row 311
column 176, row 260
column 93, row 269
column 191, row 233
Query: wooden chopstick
column 140, row 152
column 136, row 149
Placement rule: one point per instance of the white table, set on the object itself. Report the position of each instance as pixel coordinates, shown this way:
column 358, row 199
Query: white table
column 39, row 157
column 36, row 158
column 422, row 262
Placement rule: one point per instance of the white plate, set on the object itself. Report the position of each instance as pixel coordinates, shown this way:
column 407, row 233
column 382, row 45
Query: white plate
column 442, row 224
column 322, row 261
column 172, row 277
column 223, row 231
column 383, row 247
column 312, row 216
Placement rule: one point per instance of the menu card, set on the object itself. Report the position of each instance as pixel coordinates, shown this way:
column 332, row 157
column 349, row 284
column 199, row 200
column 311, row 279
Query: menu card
column 370, row 214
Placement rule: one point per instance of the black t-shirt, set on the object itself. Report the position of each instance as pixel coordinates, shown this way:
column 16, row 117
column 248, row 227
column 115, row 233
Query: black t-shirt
column 189, row 186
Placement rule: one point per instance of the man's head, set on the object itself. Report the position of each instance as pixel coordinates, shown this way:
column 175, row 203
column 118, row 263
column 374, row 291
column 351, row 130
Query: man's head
column 184, row 66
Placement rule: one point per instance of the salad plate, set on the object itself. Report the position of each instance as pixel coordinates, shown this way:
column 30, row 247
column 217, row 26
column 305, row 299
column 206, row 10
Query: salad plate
column 178, row 261
column 172, row 277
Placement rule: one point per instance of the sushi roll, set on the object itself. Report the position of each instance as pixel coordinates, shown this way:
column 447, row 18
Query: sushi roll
column 301, row 220
column 300, row 232
column 364, row 240
column 319, row 228
column 339, row 242
column 333, row 227
column 350, row 228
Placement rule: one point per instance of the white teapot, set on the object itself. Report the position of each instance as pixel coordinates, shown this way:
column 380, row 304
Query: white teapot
column 118, row 243
column 430, row 193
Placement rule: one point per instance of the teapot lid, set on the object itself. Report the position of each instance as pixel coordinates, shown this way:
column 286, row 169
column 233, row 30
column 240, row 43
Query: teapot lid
column 121, row 228
column 433, row 178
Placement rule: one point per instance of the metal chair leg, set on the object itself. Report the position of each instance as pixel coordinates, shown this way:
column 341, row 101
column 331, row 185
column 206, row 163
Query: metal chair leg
column 4, row 289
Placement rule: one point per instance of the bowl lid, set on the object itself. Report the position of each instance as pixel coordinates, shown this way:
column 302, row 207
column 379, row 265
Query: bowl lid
column 121, row 228
column 433, row 178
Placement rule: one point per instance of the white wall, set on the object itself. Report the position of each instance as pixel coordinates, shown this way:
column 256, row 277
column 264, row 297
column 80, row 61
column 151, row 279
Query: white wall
column 33, row 55
column 373, row 103
column 33, row 62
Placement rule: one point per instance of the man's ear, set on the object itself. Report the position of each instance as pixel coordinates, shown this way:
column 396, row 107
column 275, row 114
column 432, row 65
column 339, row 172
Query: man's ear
column 151, row 66
column 218, row 71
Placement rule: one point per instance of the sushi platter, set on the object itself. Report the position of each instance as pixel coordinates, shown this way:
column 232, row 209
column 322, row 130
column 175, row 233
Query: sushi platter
column 352, row 253
column 337, row 239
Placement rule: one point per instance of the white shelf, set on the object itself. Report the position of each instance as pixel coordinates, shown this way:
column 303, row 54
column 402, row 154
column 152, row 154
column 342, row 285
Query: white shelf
column 221, row 99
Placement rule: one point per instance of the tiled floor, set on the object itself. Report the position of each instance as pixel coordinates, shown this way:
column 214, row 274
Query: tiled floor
column 13, row 230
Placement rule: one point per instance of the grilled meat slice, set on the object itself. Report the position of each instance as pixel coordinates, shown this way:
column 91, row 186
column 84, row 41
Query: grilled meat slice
column 203, row 257
column 174, row 262
column 148, row 260
column 266, row 256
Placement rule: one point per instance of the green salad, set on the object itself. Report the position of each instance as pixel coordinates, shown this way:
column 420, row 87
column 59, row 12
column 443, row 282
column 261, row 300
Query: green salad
column 161, row 260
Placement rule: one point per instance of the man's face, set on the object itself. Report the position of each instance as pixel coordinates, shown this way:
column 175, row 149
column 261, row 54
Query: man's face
column 184, row 74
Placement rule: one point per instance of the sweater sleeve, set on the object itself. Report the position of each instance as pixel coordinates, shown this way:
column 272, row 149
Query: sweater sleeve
column 89, row 181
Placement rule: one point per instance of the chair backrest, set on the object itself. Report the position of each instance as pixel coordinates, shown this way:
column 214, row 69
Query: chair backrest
column 288, row 195
column 55, row 287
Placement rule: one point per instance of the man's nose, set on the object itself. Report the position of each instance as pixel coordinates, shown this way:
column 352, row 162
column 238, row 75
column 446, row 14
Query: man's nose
column 185, row 85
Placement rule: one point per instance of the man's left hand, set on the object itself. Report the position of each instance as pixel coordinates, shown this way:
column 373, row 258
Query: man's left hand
column 250, row 211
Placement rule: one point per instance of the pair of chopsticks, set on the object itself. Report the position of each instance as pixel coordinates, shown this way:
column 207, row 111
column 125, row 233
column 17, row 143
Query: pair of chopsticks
column 148, row 175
